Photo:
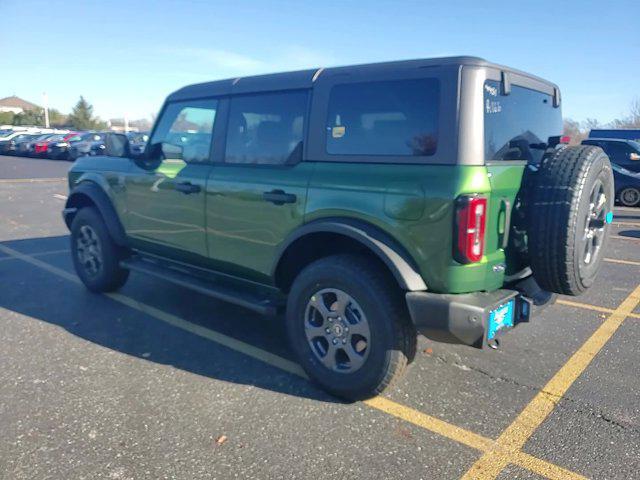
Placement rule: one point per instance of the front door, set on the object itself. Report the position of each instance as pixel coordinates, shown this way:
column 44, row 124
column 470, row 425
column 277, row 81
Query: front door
column 257, row 196
column 166, row 189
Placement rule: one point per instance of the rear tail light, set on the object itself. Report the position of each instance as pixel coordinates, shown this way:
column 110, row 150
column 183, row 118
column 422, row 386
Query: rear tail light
column 471, row 217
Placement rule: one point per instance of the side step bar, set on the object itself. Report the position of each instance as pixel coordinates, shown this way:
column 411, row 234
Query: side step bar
column 253, row 302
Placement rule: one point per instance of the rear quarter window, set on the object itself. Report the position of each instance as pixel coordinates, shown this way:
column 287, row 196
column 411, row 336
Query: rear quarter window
column 515, row 124
column 394, row 118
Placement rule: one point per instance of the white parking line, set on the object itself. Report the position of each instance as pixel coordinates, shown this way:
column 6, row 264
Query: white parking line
column 31, row 180
column 37, row 254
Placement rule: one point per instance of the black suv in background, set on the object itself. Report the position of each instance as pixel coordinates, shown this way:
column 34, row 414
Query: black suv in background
column 625, row 153
column 625, row 161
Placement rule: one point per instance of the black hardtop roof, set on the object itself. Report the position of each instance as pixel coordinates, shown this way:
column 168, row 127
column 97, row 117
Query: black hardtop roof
column 305, row 78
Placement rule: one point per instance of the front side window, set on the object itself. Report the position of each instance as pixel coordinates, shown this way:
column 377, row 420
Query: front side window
column 397, row 117
column 517, row 126
column 184, row 131
column 266, row 129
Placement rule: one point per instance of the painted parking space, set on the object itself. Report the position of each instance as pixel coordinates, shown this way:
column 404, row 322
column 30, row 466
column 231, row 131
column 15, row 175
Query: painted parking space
column 154, row 376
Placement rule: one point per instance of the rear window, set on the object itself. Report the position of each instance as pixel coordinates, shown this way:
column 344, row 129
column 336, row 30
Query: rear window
column 266, row 129
column 398, row 117
column 515, row 124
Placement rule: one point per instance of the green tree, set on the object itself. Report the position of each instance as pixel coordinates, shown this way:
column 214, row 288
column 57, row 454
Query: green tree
column 81, row 117
column 29, row 117
column 57, row 119
column 6, row 118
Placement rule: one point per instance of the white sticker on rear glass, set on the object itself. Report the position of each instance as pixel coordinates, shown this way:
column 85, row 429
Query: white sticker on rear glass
column 493, row 91
column 492, row 106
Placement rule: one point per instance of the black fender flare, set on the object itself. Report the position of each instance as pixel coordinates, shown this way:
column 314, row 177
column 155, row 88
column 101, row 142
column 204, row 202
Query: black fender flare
column 99, row 198
column 381, row 244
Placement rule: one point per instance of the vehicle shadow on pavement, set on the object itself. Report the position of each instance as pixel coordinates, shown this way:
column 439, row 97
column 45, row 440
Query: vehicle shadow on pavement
column 630, row 233
column 47, row 297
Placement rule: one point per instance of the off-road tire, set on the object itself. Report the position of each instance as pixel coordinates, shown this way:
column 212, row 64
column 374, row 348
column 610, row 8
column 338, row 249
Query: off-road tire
column 557, row 217
column 110, row 276
column 393, row 336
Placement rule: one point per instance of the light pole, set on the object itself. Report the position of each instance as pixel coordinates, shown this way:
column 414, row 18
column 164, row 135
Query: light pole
column 46, row 109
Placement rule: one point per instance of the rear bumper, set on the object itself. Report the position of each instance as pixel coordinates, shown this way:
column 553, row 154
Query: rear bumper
column 462, row 318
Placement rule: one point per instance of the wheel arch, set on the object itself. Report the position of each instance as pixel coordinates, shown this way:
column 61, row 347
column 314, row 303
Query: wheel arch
column 90, row 194
column 345, row 235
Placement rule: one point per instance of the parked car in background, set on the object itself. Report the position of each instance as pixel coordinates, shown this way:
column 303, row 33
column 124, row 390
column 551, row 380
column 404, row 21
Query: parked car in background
column 41, row 148
column 8, row 147
column 627, row 134
column 625, row 153
column 88, row 144
column 627, row 186
column 137, row 142
column 25, row 148
column 11, row 135
column 58, row 149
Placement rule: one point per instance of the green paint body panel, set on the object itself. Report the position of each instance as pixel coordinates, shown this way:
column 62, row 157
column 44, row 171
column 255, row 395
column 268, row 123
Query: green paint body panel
column 506, row 181
column 415, row 205
column 230, row 228
column 244, row 232
column 156, row 212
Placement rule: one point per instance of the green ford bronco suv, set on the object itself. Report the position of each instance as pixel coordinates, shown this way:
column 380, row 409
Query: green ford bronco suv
column 370, row 202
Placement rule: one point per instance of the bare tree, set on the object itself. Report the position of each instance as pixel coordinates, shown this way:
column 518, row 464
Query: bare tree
column 573, row 130
column 590, row 124
column 632, row 120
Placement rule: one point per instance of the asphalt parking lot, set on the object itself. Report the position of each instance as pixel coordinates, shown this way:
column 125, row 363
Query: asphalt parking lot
column 161, row 382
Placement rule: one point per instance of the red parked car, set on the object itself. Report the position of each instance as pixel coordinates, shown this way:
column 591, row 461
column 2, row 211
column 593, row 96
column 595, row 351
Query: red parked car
column 43, row 148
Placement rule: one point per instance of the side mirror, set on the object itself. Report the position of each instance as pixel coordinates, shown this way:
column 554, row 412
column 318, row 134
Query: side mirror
column 116, row 145
column 171, row 151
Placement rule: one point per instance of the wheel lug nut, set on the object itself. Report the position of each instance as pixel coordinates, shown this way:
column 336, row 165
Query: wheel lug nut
column 344, row 341
column 335, row 341
column 328, row 330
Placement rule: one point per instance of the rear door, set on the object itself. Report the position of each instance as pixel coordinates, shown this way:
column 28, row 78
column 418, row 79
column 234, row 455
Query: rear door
column 256, row 197
column 166, row 190
column 514, row 127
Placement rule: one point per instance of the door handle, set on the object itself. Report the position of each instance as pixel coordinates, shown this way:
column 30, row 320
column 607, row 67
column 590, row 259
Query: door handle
column 279, row 197
column 187, row 188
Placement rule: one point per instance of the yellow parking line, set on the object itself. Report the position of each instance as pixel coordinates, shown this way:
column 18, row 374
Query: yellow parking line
column 428, row 422
column 626, row 224
column 516, row 435
column 595, row 308
column 31, row 180
column 622, row 262
column 415, row 417
column 470, row 439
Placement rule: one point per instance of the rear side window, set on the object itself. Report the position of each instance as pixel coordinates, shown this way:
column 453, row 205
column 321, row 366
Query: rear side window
column 266, row 129
column 398, row 117
column 516, row 125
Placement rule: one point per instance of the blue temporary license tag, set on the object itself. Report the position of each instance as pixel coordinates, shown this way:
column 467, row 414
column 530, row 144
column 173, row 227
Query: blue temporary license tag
column 500, row 318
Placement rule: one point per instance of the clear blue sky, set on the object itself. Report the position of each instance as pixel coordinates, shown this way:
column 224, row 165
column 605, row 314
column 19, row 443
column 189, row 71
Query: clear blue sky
column 126, row 56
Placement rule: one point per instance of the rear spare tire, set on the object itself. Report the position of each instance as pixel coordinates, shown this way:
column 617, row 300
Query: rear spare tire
column 569, row 216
